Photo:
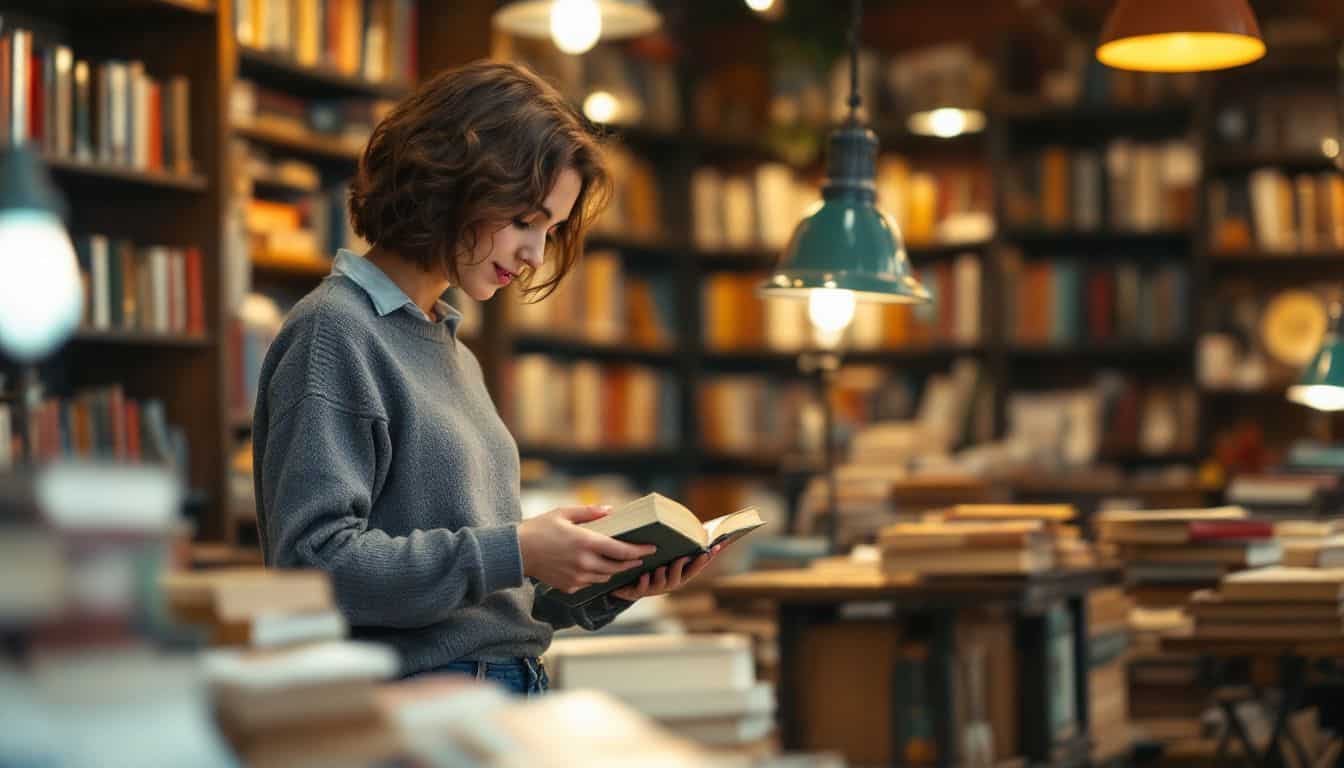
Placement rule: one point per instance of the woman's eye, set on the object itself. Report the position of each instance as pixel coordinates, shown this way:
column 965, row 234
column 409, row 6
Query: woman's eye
column 522, row 223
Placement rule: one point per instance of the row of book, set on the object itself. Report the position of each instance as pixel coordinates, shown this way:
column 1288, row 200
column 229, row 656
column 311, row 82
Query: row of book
column 373, row 39
column 251, row 332
column 102, row 424
column 1272, row 211
column 744, row 415
column 734, row 317
column 1066, row 302
column 586, row 406
column 109, row 112
column 350, row 121
column 1115, row 419
column 599, row 301
column 635, row 208
column 1126, row 187
column 140, row 288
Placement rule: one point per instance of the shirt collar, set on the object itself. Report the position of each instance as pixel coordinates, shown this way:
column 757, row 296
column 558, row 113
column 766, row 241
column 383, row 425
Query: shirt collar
column 387, row 296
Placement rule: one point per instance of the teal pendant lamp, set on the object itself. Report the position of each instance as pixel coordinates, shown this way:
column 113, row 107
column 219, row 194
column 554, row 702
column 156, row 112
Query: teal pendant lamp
column 848, row 246
column 1322, row 384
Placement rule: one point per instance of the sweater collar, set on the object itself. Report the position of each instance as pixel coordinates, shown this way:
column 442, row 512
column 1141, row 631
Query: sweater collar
column 387, row 296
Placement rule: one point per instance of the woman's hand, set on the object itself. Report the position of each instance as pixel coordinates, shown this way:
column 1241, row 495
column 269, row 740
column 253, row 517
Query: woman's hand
column 558, row 552
column 669, row 578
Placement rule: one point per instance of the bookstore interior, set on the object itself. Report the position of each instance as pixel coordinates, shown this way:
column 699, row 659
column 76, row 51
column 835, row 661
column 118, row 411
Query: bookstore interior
column 939, row 383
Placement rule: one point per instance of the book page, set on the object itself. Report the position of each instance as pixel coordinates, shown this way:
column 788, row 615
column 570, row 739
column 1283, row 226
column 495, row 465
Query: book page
column 733, row 525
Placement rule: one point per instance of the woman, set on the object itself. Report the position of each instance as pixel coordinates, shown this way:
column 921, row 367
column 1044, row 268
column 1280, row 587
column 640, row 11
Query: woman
column 379, row 456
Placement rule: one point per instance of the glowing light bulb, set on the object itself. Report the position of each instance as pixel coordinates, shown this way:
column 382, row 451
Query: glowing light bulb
column 760, row 6
column 1322, row 397
column 576, row 25
column 831, row 310
column 601, row 107
column 41, row 298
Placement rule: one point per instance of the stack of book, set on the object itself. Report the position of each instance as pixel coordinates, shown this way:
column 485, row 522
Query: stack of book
column 1272, row 211
column 753, row 211
column 752, row 415
column 77, row 543
column 304, row 704
column 1311, row 543
column 701, row 687
column 1169, row 554
column 348, row 122
column 1070, row 549
column 256, row 607
column 998, row 547
column 1271, row 603
column 101, row 424
column 1289, row 495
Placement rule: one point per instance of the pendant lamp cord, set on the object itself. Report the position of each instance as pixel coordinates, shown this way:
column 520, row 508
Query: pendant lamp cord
column 855, row 15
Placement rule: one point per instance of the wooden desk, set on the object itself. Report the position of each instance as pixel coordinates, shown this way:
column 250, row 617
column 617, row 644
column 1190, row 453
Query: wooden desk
column 1293, row 656
column 809, row 597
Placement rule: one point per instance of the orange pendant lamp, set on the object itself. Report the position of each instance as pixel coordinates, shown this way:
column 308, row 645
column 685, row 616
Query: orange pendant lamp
column 1180, row 35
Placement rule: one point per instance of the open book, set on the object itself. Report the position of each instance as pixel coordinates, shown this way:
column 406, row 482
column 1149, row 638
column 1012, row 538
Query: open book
column 657, row 520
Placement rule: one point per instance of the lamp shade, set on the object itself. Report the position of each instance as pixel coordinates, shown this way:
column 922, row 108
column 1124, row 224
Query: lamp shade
column 847, row 243
column 1180, row 35
column 41, row 295
column 620, row 18
column 1322, row 383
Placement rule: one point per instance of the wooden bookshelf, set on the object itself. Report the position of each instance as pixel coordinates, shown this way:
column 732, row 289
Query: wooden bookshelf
column 302, row 142
column 1105, row 352
column 311, row 267
column 607, row 352
column 280, row 70
column 88, row 171
column 1245, row 160
column 276, row 182
column 1101, row 238
column 141, row 339
column 1278, row 258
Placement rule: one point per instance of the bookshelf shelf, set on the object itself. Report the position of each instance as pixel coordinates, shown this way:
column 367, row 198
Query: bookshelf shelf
column 277, row 183
column 617, row 352
column 1277, row 258
column 945, row 250
column 106, row 173
column 321, row 80
column 303, row 142
column 203, row 7
column 651, row 250
column 1239, row 160
column 633, row 461
column 777, row 362
column 1066, row 238
column 737, row 259
column 1103, row 351
column 310, row 268
column 141, row 339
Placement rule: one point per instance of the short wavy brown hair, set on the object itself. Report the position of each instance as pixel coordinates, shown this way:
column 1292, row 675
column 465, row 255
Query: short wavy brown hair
column 473, row 147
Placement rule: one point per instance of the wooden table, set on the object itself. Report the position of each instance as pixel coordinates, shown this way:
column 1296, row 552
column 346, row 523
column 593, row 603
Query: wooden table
column 810, row 597
column 1293, row 656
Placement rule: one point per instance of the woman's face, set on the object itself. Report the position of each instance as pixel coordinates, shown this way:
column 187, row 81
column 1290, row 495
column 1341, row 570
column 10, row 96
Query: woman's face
column 505, row 249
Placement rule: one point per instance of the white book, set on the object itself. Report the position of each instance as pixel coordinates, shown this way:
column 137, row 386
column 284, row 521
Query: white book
column 139, row 116
column 64, row 109
column 1272, row 231
column 707, row 208
column 724, row 733
column 774, row 200
column 739, row 213
column 653, row 663
column 21, row 52
column 101, row 288
column 6, row 438
column 275, row 630
column 759, row 699
column 587, row 405
column 966, row 328
column 159, row 285
column 316, row 664
column 116, row 116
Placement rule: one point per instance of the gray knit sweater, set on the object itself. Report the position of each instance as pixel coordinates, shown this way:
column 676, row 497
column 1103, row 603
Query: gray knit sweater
column 380, row 459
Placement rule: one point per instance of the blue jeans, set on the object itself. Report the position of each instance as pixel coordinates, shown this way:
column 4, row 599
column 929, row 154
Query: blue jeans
column 524, row 676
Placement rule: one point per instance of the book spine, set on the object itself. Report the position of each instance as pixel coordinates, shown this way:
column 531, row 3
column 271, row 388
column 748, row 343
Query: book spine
column 21, row 50
column 83, row 107
column 63, row 80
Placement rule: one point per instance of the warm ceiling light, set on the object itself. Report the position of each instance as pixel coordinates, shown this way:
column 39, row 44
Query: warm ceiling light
column 946, row 122
column 1180, row 35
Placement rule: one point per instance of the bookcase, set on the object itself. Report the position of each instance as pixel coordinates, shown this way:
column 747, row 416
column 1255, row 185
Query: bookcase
column 157, row 204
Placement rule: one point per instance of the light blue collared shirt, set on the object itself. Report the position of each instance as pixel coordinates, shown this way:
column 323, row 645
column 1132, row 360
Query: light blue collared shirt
column 387, row 296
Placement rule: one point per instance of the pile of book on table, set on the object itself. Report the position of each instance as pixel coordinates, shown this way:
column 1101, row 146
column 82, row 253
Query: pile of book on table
column 1271, row 603
column 989, row 539
column 1311, row 543
column 1108, row 688
column 1168, row 554
column 701, row 687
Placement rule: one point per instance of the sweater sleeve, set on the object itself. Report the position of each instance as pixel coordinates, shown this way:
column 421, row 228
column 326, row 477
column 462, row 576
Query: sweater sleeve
column 594, row 615
column 322, row 468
